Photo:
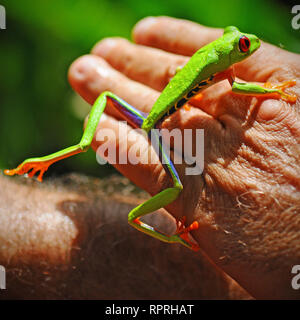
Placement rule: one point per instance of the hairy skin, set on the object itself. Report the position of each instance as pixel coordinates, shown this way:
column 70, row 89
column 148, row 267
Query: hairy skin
column 70, row 239
column 247, row 200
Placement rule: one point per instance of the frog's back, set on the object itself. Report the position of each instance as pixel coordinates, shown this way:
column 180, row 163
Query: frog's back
column 199, row 68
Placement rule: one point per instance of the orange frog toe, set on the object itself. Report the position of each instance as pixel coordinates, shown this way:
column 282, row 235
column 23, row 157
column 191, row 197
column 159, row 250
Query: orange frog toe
column 31, row 168
column 183, row 232
column 291, row 98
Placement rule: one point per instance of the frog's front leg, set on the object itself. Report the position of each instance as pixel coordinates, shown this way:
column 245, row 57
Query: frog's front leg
column 41, row 164
column 267, row 90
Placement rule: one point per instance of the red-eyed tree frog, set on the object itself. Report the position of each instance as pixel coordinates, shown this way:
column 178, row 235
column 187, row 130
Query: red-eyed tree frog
column 208, row 65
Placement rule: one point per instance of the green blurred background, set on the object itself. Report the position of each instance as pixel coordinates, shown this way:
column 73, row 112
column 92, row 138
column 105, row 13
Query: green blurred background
column 40, row 114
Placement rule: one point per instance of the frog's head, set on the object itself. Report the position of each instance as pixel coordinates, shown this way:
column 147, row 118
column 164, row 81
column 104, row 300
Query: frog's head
column 243, row 44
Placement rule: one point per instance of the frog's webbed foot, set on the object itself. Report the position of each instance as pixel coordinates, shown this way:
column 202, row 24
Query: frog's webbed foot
column 183, row 232
column 31, row 167
column 279, row 89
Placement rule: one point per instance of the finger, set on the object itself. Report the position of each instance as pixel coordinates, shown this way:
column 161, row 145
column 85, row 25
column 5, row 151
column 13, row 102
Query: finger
column 173, row 35
column 185, row 37
column 90, row 75
column 150, row 66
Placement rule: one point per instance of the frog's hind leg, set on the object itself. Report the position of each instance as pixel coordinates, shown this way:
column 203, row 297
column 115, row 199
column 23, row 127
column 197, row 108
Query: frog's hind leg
column 129, row 113
column 161, row 200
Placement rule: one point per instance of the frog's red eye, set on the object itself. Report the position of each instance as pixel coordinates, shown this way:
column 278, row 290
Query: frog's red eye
column 244, row 44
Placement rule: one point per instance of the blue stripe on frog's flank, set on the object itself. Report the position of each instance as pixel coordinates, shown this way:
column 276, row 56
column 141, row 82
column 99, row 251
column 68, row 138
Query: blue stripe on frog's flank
column 134, row 116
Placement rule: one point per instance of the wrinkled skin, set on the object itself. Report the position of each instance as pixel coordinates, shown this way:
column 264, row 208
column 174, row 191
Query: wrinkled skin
column 247, row 199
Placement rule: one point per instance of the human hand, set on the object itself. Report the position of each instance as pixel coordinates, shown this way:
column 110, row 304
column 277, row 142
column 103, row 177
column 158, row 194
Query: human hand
column 247, row 199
